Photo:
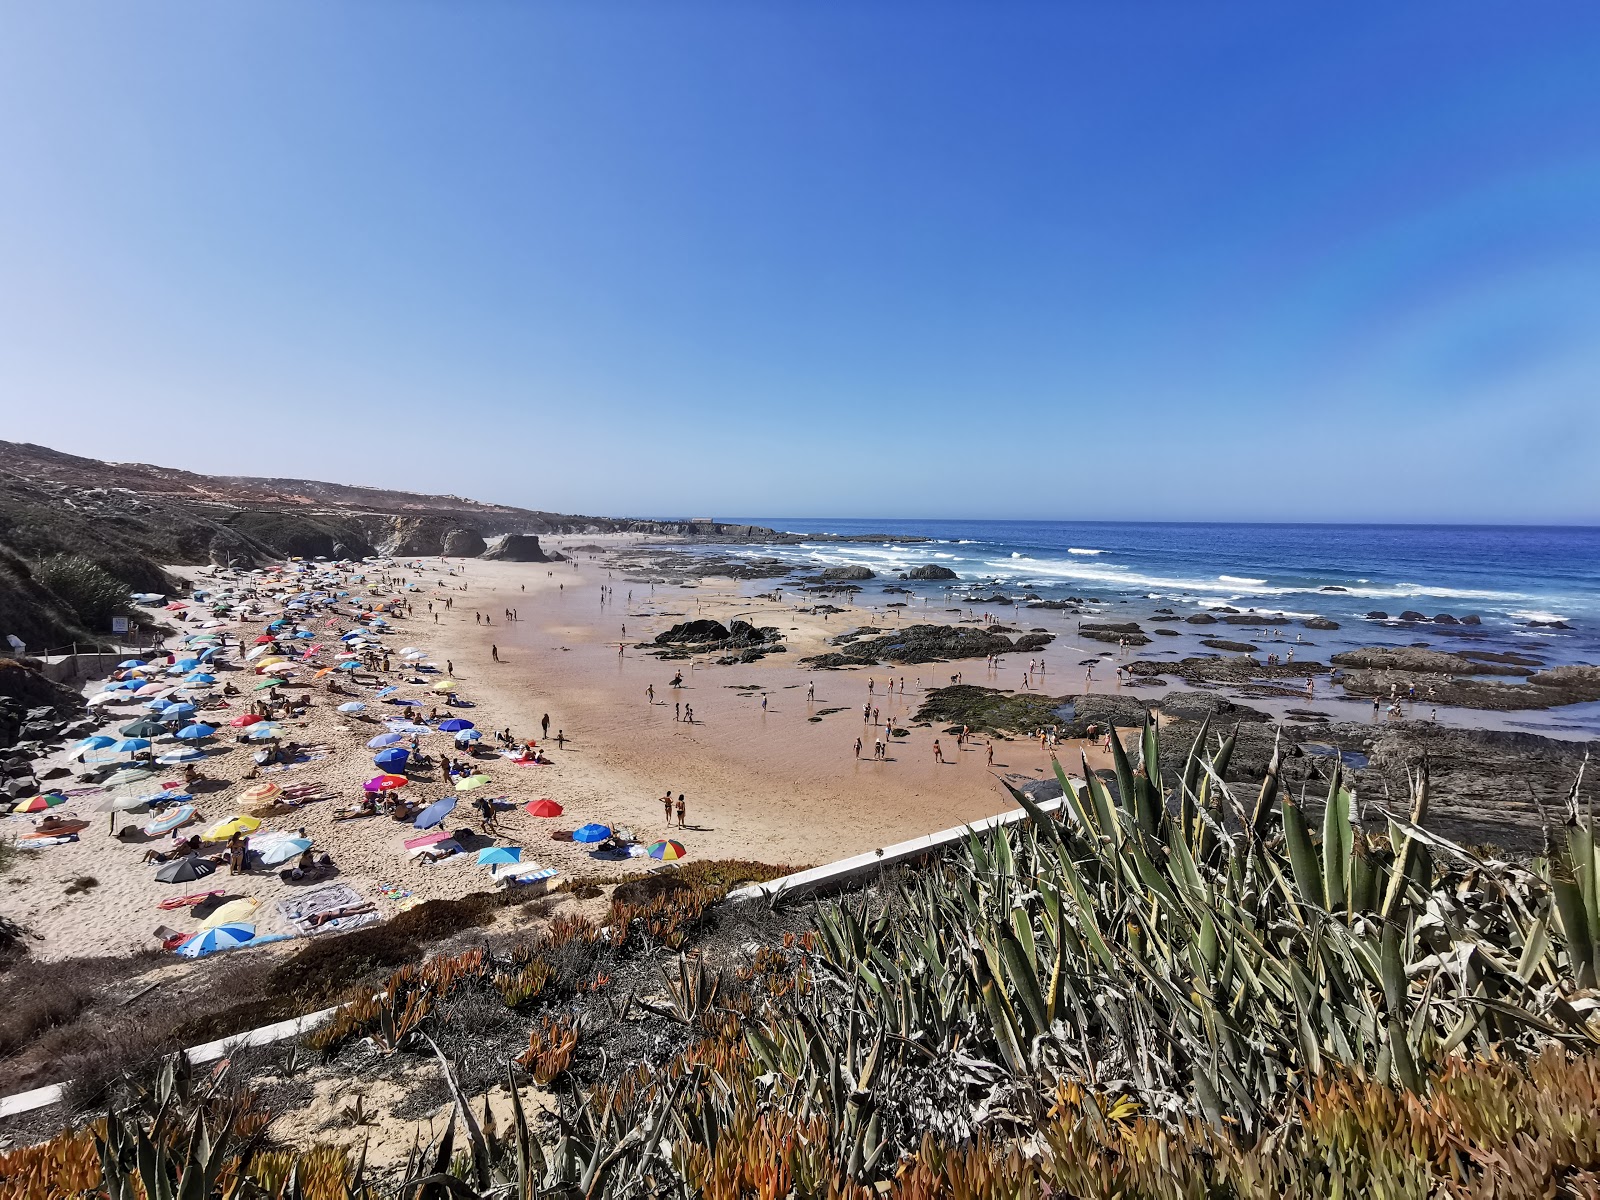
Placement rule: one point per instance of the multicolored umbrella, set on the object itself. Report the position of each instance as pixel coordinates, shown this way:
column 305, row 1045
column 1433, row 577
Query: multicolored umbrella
column 669, row 850
column 259, row 793
column 223, row 937
column 181, row 815
column 40, row 802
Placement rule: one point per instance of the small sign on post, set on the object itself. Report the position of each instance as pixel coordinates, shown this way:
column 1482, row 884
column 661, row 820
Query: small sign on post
column 119, row 624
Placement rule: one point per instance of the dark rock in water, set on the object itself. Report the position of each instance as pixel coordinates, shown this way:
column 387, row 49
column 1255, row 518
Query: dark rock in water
column 1201, row 619
column 1237, row 669
column 929, row 643
column 851, row 572
column 991, row 600
column 520, row 547
column 1112, row 627
column 1232, row 647
column 1256, row 619
column 1223, row 608
column 1421, row 661
column 997, row 628
column 1412, row 615
column 1319, row 623
column 930, row 571
column 1166, row 632
column 1488, row 656
column 1377, row 614
column 1055, row 604
column 1105, row 633
column 1445, row 619
column 1542, row 689
column 1165, row 612
column 1472, row 619
column 1193, row 706
column 1332, row 587
column 1548, row 625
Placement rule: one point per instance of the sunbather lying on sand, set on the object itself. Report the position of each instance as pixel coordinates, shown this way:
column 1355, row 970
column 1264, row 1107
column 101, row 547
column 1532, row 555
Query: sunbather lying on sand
column 317, row 920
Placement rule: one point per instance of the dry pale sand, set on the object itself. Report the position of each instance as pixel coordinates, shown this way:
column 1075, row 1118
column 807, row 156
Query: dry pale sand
column 767, row 785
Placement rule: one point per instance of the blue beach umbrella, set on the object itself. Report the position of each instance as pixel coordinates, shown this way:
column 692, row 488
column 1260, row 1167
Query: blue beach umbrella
column 494, row 855
column 383, row 740
column 195, row 733
column 454, row 725
column 591, row 833
column 177, row 712
column 223, row 937
column 157, row 703
column 98, row 741
column 130, row 745
column 200, row 677
column 392, row 760
column 386, row 691
column 130, row 662
column 352, row 665
column 187, row 754
column 354, row 706
column 435, row 813
column 467, row 737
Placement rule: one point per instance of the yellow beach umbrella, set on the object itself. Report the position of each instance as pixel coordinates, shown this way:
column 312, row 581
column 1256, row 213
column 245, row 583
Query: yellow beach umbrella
column 446, row 685
column 234, row 910
column 223, row 830
column 472, row 781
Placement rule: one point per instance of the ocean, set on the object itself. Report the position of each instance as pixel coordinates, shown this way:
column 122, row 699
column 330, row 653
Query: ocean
column 1522, row 583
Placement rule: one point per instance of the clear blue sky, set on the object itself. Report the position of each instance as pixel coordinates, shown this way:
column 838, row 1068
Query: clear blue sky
column 1078, row 260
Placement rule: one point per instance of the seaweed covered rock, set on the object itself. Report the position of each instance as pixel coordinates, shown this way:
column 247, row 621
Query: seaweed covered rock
column 929, row 643
column 989, row 710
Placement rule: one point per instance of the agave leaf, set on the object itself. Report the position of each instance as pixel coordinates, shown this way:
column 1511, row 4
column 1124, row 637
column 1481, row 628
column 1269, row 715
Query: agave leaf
column 1308, row 876
column 1337, row 843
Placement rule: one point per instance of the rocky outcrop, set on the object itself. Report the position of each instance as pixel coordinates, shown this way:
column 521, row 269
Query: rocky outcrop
column 930, row 571
column 519, row 547
column 1117, row 634
column 1231, row 647
column 1200, row 619
column 1543, row 689
column 1319, row 623
column 847, row 573
column 464, row 543
column 1416, row 660
column 929, row 643
column 739, row 641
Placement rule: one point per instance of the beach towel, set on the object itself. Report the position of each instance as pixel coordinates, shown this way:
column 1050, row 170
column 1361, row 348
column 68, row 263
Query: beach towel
column 330, row 897
column 44, row 843
column 427, row 839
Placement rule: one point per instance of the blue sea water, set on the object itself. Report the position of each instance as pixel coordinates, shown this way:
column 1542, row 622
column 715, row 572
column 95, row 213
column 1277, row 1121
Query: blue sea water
column 1510, row 576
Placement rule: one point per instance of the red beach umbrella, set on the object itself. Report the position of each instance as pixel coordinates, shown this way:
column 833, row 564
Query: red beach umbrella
column 385, row 783
column 244, row 719
column 544, row 808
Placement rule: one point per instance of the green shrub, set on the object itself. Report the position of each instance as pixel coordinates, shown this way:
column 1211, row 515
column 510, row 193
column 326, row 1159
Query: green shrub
column 91, row 591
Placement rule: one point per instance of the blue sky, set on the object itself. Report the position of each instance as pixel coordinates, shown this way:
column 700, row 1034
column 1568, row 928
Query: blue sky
column 1185, row 261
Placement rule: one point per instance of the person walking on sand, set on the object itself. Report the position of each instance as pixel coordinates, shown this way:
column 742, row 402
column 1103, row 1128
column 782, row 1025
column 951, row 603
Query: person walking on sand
column 494, row 653
column 683, row 811
column 763, row 702
column 990, row 753
column 688, row 713
column 858, row 749
column 811, row 691
column 677, row 710
column 938, row 752
column 561, row 739
column 650, row 693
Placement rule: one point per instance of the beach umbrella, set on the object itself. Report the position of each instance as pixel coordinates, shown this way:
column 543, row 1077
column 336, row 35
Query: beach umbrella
column 446, row 685
column 184, row 870
column 195, row 733
column 124, row 803
column 97, row 742
column 386, row 691
column 265, row 731
column 244, row 719
column 454, row 725
column 591, row 833
column 130, row 745
column 669, row 850
column 268, row 683
column 354, row 706
column 128, row 664
column 176, row 712
column 228, row 826
column 40, row 802
column 471, row 782
column 383, row 740
column 144, row 727
column 409, row 650
column 280, row 849
column 352, row 665
column 435, row 813
column 167, row 795
column 127, row 775
column 200, row 677
column 467, row 736
column 159, row 704
column 385, row 783
column 234, row 912
column 107, row 697
column 494, row 855
column 173, row 757
column 210, row 941
column 181, row 815
column 153, row 689
column 544, row 808
column 259, row 793
column 391, row 760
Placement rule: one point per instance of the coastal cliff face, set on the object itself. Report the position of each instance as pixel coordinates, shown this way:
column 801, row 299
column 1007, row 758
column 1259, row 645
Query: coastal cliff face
column 132, row 519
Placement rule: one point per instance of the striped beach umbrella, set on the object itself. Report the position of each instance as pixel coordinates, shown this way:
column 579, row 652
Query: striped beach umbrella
column 668, row 850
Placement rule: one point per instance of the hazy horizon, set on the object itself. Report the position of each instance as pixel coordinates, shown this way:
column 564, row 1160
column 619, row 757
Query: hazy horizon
column 1044, row 262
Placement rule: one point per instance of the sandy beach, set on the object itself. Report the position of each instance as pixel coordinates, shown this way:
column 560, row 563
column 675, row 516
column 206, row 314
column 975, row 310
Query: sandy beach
column 778, row 782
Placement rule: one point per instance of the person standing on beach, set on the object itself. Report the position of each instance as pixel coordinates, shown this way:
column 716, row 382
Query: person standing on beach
column 677, row 710
column 688, row 713
column 561, row 739
column 544, row 726
column 938, row 752
column 763, row 702
column 683, row 810
column 494, row 653
column 666, row 803
column 650, row 693
column 858, row 749
column 990, row 753
column 811, row 691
